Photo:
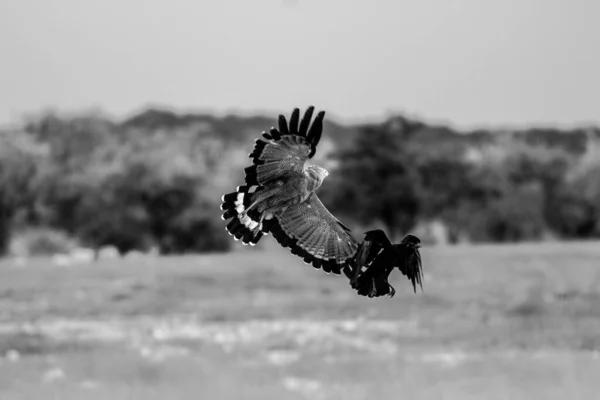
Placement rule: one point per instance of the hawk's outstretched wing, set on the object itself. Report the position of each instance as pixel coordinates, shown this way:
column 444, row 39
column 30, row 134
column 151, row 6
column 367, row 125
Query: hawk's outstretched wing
column 284, row 151
column 315, row 235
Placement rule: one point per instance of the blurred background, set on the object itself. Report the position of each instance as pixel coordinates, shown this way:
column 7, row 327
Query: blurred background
column 474, row 125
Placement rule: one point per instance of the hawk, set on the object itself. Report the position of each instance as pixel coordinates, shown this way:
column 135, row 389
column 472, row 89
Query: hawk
column 279, row 197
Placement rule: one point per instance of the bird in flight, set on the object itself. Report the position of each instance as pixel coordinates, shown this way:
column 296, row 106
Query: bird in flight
column 279, row 197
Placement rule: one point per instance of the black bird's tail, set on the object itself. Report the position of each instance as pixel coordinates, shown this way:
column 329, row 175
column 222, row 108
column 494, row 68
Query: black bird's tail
column 245, row 224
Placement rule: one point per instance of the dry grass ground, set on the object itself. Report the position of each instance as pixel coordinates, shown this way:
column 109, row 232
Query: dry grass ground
column 494, row 322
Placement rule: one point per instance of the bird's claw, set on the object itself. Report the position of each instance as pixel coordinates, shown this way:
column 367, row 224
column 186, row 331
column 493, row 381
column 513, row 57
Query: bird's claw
column 392, row 291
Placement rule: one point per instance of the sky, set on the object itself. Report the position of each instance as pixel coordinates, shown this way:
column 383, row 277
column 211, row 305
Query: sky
column 470, row 63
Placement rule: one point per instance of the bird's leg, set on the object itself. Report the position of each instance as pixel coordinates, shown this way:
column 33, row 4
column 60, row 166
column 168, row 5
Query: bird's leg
column 380, row 287
column 270, row 213
column 373, row 292
column 392, row 291
column 270, row 190
column 260, row 221
column 260, row 197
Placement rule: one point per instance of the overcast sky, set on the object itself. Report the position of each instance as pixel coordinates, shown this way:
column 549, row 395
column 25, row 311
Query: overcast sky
column 468, row 62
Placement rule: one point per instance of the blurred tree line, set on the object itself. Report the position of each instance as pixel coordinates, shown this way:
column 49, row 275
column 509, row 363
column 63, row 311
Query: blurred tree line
column 155, row 180
column 484, row 186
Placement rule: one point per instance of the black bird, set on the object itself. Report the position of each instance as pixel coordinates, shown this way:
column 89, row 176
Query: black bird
column 379, row 256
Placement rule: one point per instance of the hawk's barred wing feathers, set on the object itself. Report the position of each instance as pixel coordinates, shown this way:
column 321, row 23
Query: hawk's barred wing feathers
column 315, row 235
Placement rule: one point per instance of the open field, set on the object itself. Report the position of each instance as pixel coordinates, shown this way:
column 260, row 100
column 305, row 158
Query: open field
column 494, row 322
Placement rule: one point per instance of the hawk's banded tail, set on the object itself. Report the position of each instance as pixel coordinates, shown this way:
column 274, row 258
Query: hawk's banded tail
column 244, row 225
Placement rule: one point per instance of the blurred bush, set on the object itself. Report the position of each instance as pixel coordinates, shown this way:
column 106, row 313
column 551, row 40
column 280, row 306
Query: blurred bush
column 41, row 242
column 576, row 208
column 155, row 180
column 20, row 159
column 484, row 186
column 108, row 184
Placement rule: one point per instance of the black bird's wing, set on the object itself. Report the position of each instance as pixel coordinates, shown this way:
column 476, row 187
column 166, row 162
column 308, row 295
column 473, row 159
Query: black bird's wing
column 408, row 261
column 373, row 244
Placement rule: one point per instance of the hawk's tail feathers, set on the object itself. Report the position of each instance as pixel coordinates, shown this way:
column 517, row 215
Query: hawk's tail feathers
column 244, row 225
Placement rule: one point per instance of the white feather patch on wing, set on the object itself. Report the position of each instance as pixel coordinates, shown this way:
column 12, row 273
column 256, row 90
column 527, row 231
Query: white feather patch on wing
column 239, row 203
column 248, row 222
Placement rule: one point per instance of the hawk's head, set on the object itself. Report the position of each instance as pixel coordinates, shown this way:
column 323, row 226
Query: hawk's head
column 318, row 174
